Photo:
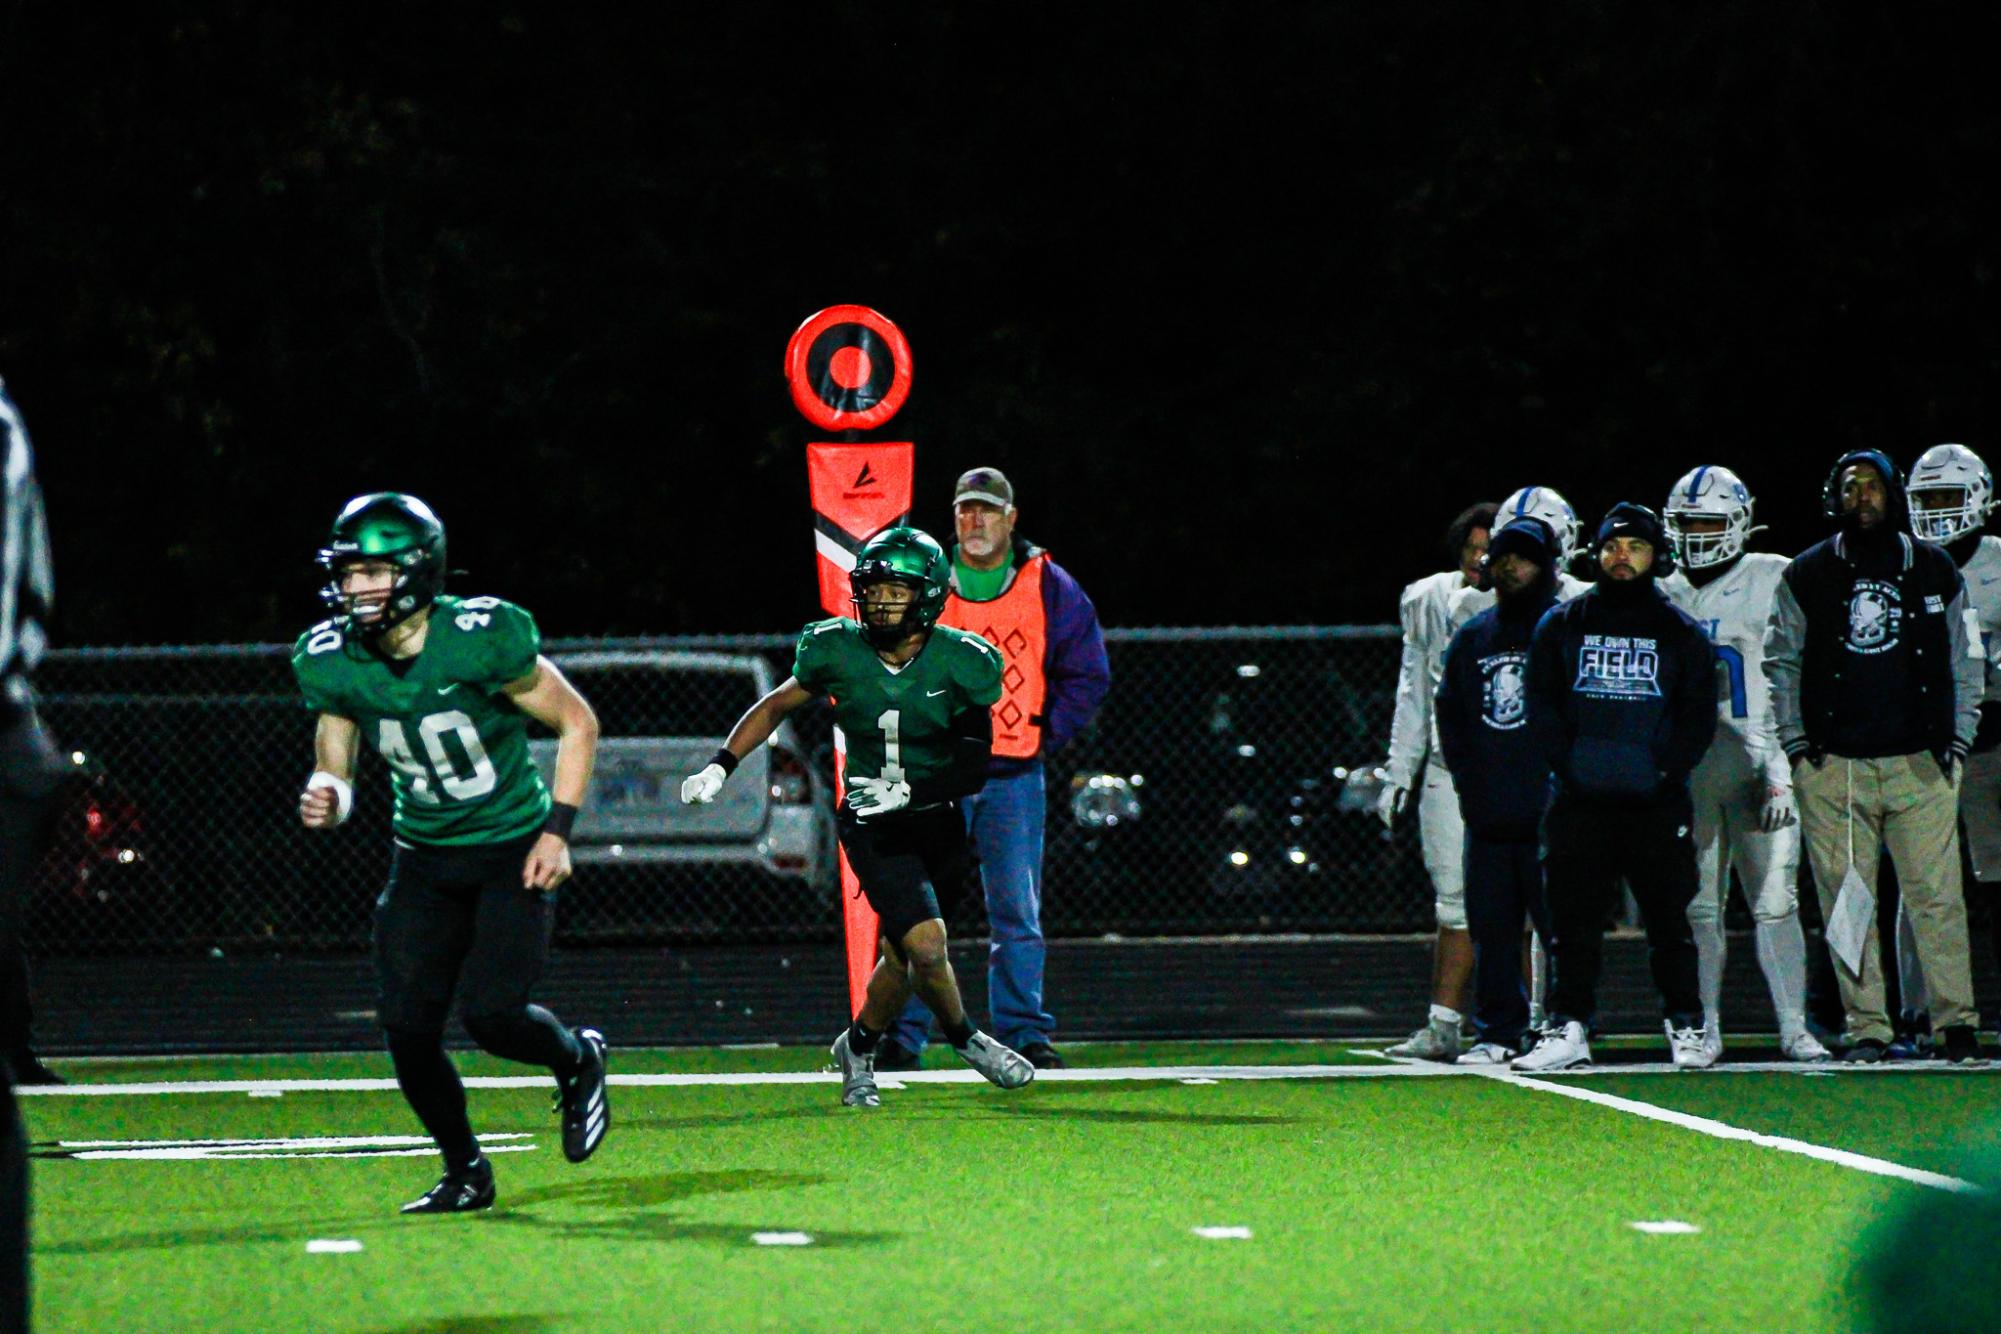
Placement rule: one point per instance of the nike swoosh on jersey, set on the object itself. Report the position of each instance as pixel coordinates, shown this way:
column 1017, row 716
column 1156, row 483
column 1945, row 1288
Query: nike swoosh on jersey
column 933, row 694
column 446, row 690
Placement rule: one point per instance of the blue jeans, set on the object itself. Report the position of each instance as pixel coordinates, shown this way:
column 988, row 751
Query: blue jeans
column 1004, row 820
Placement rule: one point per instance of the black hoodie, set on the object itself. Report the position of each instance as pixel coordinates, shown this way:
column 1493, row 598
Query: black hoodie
column 1622, row 685
column 1482, row 705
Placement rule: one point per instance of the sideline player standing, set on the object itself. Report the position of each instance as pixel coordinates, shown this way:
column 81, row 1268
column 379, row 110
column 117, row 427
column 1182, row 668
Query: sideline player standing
column 1874, row 659
column 1531, row 502
column 442, row 687
column 912, row 697
column 1414, row 752
column 1743, row 788
column 1498, row 772
column 1622, row 691
column 1951, row 493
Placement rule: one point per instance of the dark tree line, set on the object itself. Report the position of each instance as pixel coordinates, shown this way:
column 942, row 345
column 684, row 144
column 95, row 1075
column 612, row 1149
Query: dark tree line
column 1249, row 299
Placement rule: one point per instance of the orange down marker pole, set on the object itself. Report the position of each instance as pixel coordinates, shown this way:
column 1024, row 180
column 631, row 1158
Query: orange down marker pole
column 849, row 371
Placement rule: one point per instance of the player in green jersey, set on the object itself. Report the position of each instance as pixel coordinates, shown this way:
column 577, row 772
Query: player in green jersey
column 442, row 688
column 912, row 699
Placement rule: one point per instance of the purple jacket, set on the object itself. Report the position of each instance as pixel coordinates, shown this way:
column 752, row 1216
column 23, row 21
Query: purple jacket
column 1075, row 668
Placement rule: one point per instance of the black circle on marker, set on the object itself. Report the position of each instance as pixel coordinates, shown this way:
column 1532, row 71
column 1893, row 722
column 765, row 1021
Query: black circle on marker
column 819, row 368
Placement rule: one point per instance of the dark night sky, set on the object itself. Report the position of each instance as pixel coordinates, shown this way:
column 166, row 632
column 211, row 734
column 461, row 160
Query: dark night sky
column 1249, row 299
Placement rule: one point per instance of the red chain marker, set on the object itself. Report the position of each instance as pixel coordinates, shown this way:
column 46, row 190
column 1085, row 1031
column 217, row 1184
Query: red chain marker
column 848, row 368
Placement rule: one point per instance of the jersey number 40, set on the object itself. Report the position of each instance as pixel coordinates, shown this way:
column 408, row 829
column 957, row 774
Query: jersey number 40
column 444, row 771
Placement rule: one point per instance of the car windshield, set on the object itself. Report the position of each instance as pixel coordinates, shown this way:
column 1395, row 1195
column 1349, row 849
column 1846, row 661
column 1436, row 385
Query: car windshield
column 645, row 701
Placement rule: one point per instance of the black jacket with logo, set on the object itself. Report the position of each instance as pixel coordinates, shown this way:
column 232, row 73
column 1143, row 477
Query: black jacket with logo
column 1622, row 695
column 1482, row 712
column 1869, row 653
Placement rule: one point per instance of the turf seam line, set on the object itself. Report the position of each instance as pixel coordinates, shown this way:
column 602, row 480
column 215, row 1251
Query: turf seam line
column 1703, row 1125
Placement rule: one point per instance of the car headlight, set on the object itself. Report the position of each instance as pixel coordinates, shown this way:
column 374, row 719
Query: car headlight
column 1104, row 801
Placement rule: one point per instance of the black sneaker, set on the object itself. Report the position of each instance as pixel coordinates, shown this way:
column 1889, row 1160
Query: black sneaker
column 461, row 1192
column 893, row 1055
column 1866, row 1052
column 1962, row 1044
column 1043, row 1056
column 581, row 1099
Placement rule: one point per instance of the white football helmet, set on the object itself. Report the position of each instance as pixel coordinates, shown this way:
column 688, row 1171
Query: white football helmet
column 1708, row 492
column 1956, row 469
column 1540, row 502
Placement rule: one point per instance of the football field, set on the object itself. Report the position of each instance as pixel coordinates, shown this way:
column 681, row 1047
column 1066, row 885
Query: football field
column 1166, row 1186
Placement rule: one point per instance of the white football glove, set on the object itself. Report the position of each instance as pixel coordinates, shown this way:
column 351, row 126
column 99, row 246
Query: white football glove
column 870, row 797
column 1390, row 803
column 1779, row 811
column 700, row 789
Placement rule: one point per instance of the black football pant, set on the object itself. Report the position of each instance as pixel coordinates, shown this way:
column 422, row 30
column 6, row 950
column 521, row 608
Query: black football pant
column 1503, row 892
column 1586, row 848
column 458, row 919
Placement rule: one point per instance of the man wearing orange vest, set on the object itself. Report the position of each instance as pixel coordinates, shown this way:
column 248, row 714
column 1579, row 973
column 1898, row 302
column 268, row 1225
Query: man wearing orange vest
column 1010, row 593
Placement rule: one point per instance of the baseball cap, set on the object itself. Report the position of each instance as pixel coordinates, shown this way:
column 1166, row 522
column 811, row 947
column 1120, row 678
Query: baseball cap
column 988, row 484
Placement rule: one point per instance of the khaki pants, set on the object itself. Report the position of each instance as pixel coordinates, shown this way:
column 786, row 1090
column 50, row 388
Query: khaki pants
column 1905, row 804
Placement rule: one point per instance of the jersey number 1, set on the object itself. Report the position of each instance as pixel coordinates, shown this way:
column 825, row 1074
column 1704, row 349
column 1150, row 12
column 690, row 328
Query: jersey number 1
column 891, row 724
column 443, row 771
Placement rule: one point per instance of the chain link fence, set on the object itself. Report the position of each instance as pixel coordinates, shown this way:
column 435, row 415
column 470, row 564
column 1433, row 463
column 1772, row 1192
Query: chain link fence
column 1209, row 799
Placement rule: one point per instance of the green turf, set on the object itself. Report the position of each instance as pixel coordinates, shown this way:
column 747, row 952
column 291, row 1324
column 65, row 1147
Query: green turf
column 1375, row 1203
column 1916, row 1119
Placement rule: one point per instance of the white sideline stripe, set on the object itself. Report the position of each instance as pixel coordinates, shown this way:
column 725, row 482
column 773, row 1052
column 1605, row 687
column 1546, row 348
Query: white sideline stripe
column 1666, row 1227
column 328, row 1246
column 1860, row 1162
column 1088, row 1076
column 233, row 1155
column 1224, row 1233
column 279, row 1142
column 782, row 1238
column 1394, row 1068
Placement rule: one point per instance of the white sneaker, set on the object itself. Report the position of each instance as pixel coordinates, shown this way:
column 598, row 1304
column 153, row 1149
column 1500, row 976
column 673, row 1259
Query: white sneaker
column 1557, row 1049
column 1003, row 1066
column 1712, row 1040
column 1803, row 1046
column 1487, row 1053
column 1689, row 1048
column 857, row 1074
column 1436, row 1041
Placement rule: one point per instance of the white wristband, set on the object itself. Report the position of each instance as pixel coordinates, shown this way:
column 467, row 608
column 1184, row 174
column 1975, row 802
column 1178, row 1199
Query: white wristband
column 343, row 792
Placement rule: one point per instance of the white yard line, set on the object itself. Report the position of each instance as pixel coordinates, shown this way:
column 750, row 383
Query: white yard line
column 1394, row 1068
column 1090, row 1076
column 1703, row 1125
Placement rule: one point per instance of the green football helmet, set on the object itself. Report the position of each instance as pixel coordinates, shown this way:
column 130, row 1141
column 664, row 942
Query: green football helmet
column 907, row 556
column 393, row 527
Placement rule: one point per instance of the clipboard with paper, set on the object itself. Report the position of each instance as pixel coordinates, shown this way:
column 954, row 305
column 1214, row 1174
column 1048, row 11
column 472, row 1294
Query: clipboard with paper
column 1854, row 909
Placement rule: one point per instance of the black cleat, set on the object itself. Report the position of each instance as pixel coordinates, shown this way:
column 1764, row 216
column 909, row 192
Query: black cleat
column 1043, row 1056
column 581, row 1099
column 460, row 1192
column 893, row 1055
column 28, row 1068
column 1962, row 1044
column 1868, row 1051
